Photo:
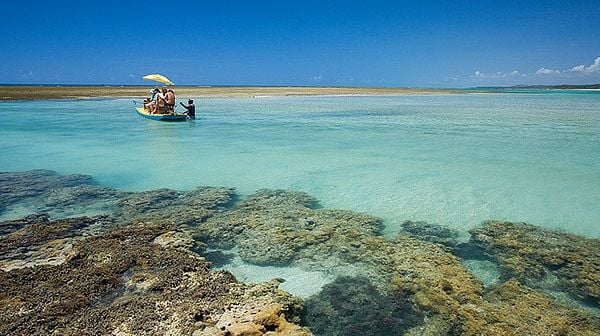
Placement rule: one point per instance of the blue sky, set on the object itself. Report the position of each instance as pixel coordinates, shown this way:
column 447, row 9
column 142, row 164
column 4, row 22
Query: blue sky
column 356, row 43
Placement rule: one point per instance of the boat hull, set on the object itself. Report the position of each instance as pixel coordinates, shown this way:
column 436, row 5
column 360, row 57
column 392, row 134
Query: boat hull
column 161, row 117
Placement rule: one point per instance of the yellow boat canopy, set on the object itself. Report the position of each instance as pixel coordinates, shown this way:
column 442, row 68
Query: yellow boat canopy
column 159, row 78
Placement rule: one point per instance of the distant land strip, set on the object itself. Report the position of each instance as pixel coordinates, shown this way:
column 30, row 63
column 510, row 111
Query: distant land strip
column 546, row 87
column 34, row 92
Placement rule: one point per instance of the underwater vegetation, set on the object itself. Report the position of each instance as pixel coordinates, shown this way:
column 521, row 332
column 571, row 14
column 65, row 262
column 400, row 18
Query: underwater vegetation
column 544, row 258
column 137, row 266
column 354, row 306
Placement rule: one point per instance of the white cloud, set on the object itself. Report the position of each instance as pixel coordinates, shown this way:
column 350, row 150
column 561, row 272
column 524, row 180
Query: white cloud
column 516, row 73
column 575, row 74
column 579, row 69
column 594, row 68
column 499, row 74
column 547, row 72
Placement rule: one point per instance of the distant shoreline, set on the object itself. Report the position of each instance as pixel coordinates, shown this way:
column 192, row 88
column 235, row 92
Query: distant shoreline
column 41, row 92
column 48, row 92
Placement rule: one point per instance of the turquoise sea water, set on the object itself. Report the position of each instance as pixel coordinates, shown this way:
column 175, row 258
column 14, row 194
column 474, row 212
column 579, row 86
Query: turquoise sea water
column 453, row 160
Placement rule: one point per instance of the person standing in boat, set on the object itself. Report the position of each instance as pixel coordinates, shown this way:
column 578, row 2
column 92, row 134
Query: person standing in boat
column 191, row 109
column 170, row 101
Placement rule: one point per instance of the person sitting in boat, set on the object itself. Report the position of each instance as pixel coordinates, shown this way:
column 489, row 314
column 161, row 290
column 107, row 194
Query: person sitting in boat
column 161, row 102
column 191, row 109
column 150, row 103
column 170, row 101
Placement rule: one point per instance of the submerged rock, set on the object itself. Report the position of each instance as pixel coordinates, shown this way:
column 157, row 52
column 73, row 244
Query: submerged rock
column 132, row 281
column 166, row 205
column 531, row 254
column 38, row 241
column 62, row 196
column 282, row 227
column 134, row 271
column 58, row 195
column 514, row 307
column 7, row 227
column 354, row 306
column 432, row 233
column 279, row 227
column 15, row 186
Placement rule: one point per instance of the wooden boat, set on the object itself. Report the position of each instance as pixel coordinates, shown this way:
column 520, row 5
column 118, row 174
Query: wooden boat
column 161, row 117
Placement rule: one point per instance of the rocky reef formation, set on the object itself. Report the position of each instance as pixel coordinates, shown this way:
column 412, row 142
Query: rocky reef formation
column 432, row 233
column 544, row 258
column 277, row 227
column 138, row 269
column 176, row 207
column 14, row 186
column 63, row 196
column 58, row 195
column 354, row 306
column 134, row 271
column 38, row 241
column 135, row 280
column 283, row 227
column 513, row 308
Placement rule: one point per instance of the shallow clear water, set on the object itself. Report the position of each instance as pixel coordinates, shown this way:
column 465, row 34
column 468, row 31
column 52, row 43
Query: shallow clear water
column 297, row 280
column 454, row 160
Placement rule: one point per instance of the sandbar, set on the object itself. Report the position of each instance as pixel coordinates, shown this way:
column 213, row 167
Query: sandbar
column 19, row 92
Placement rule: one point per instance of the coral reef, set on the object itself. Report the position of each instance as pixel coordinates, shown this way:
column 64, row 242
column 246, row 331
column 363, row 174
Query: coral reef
column 165, row 205
column 431, row 232
column 283, row 227
column 133, row 271
column 15, row 186
column 530, row 254
column 278, row 227
column 135, row 280
column 137, row 269
column 58, row 195
column 273, row 227
column 512, row 308
column 354, row 306
column 41, row 242
column 61, row 196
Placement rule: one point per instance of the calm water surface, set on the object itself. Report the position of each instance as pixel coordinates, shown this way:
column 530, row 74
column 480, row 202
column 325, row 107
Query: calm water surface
column 454, row 160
